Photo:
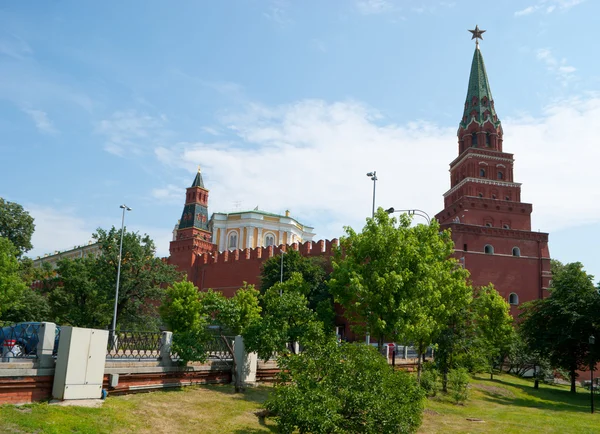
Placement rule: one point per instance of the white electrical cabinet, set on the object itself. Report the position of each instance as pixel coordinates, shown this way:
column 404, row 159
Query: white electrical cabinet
column 80, row 363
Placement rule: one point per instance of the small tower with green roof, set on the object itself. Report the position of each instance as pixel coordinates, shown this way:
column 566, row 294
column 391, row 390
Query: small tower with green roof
column 192, row 233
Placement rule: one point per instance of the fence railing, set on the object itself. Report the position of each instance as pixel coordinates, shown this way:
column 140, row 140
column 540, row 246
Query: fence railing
column 125, row 344
column 19, row 341
column 218, row 349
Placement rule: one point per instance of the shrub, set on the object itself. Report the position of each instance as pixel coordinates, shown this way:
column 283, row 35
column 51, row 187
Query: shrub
column 430, row 379
column 458, row 382
column 344, row 387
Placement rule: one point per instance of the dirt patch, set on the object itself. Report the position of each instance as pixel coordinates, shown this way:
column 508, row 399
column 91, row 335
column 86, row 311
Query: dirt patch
column 430, row 412
column 494, row 390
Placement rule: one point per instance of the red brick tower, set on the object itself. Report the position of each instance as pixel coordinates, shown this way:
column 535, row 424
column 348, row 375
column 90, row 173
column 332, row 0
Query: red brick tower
column 192, row 236
column 491, row 227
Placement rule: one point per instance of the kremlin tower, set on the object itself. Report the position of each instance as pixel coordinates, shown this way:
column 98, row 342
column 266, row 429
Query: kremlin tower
column 491, row 227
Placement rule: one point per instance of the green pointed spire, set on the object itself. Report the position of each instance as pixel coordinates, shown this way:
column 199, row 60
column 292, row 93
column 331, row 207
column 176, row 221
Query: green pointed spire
column 198, row 182
column 479, row 103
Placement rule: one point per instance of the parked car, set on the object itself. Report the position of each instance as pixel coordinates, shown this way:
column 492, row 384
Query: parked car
column 21, row 339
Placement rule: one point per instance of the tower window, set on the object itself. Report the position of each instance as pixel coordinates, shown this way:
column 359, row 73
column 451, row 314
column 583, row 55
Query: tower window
column 493, row 196
column 233, row 241
column 513, row 299
column 516, row 251
column 488, row 225
column 464, row 247
column 488, row 249
column 482, row 173
column 269, row 240
column 487, row 139
column 505, row 226
column 500, row 175
column 474, row 141
column 480, row 194
column 506, row 197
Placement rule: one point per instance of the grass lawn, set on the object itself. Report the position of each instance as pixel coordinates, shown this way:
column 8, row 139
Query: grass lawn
column 206, row 409
column 510, row 405
column 506, row 405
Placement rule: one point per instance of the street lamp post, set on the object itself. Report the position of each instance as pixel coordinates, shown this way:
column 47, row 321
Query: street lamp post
column 114, row 323
column 373, row 176
column 418, row 212
column 281, row 274
column 592, row 341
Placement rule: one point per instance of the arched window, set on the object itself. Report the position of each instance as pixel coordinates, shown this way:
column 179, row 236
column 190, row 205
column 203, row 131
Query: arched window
column 505, row 226
column 269, row 240
column 480, row 194
column 233, row 240
column 516, row 251
column 487, row 139
column 500, row 175
column 513, row 299
column 482, row 173
column 488, row 249
column 474, row 141
column 488, row 225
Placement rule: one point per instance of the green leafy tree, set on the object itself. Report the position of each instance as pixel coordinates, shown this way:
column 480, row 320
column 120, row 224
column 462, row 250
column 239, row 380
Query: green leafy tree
column 559, row 326
column 314, row 271
column 12, row 286
column 143, row 276
column 493, row 325
column 17, row 225
column 398, row 281
column 183, row 313
column 77, row 299
column 286, row 319
column 455, row 346
column 346, row 388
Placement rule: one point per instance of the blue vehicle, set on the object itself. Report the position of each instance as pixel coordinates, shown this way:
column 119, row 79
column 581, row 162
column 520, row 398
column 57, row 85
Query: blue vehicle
column 21, row 339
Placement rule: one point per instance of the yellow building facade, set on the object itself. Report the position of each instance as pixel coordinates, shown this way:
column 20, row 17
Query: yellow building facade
column 251, row 229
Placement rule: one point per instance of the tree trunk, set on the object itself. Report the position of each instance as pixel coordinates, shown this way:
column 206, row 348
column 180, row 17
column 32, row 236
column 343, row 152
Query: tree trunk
column 572, row 375
column 419, row 366
column 445, row 380
column 237, row 382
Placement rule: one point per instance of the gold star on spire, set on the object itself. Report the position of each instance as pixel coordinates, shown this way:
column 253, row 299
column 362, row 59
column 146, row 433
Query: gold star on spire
column 199, row 168
column 477, row 34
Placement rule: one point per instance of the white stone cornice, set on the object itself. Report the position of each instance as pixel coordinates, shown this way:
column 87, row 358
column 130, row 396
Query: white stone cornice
column 481, row 181
column 472, row 154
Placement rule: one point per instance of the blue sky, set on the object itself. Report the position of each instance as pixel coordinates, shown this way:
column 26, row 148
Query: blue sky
column 286, row 105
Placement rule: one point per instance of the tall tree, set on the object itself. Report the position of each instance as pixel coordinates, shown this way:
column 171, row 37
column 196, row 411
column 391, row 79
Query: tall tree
column 143, row 276
column 315, row 274
column 493, row 325
column 11, row 285
column 398, row 281
column 17, row 225
column 559, row 326
column 286, row 319
column 77, row 299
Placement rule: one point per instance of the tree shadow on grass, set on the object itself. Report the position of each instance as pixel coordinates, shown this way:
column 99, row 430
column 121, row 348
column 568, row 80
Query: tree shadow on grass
column 545, row 398
column 253, row 394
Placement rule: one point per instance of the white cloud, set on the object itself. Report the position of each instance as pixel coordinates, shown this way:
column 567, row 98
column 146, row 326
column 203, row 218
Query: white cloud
column 130, row 132
column 63, row 229
column 312, row 156
column 277, row 12
column 57, row 230
column 526, row 11
column 170, row 193
column 13, row 46
column 371, row 7
column 549, row 6
column 563, row 72
column 41, row 120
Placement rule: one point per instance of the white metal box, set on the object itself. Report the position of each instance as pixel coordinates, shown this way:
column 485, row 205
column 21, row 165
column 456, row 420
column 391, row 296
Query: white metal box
column 80, row 363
